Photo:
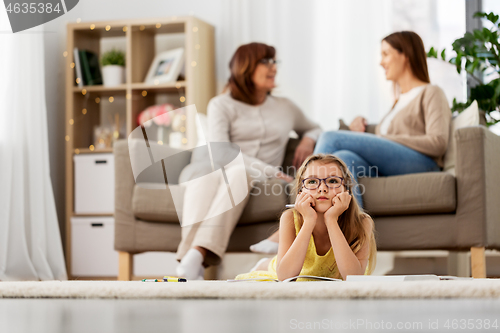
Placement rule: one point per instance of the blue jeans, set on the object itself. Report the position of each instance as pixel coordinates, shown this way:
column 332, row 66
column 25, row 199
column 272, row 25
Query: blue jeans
column 368, row 155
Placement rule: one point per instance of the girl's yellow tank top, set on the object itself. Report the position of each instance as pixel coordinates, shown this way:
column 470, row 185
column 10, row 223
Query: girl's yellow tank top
column 314, row 264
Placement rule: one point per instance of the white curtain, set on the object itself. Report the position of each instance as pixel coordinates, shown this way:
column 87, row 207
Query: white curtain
column 30, row 242
column 330, row 52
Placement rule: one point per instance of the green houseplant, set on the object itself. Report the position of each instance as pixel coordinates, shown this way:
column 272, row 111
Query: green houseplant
column 478, row 53
column 113, row 67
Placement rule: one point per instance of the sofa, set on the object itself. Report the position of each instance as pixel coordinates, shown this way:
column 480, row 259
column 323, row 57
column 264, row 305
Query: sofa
column 457, row 211
column 145, row 214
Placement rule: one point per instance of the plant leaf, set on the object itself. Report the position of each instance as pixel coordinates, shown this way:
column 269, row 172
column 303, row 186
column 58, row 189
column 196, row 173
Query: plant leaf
column 482, row 92
column 432, row 53
column 113, row 57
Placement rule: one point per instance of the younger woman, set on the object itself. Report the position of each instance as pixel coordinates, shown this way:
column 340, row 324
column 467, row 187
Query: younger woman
column 326, row 234
column 411, row 138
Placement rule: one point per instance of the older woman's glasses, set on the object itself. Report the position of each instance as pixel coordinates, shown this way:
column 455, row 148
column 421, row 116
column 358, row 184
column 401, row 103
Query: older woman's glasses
column 313, row 183
column 269, row 62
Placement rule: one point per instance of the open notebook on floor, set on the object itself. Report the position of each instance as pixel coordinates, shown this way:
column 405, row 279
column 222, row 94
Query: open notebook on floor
column 363, row 278
column 292, row 279
column 391, row 278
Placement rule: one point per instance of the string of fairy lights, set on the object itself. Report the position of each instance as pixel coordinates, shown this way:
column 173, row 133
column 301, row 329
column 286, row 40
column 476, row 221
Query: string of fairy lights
column 100, row 96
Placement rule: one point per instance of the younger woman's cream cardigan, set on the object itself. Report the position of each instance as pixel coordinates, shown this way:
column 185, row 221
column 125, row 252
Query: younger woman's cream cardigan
column 423, row 125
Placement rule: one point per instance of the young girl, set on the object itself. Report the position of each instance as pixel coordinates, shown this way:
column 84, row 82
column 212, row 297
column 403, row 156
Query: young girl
column 326, row 234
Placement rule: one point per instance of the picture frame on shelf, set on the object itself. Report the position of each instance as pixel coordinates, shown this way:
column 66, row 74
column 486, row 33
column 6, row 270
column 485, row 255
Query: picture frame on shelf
column 166, row 67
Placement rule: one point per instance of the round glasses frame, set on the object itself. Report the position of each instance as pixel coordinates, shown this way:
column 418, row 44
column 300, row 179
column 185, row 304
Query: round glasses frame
column 319, row 182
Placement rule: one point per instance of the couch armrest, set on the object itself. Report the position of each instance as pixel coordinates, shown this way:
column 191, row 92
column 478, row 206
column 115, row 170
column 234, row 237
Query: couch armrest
column 343, row 126
column 370, row 128
column 124, row 188
column 125, row 221
column 478, row 186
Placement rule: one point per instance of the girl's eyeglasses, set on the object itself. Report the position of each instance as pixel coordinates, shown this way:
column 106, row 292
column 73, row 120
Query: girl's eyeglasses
column 313, row 183
column 269, row 62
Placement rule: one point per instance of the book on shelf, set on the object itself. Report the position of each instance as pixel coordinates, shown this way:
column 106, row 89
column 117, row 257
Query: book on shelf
column 78, row 68
column 292, row 279
column 87, row 63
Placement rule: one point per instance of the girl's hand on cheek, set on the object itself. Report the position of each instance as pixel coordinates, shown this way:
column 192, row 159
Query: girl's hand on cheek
column 340, row 203
column 304, row 204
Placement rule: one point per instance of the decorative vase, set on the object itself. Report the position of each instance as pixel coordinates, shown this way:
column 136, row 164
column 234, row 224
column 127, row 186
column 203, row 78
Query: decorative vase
column 113, row 75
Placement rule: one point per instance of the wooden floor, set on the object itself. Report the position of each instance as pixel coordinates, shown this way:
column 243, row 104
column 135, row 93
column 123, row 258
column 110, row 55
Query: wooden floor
column 217, row 316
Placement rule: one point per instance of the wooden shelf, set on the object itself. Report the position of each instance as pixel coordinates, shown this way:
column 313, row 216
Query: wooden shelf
column 99, row 88
column 133, row 86
column 172, row 24
column 141, row 39
column 159, row 86
column 160, row 27
column 95, row 151
column 91, row 215
column 100, row 30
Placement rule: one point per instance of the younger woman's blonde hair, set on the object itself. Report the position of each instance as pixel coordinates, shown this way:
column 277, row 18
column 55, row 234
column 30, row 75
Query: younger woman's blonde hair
column 351, row 220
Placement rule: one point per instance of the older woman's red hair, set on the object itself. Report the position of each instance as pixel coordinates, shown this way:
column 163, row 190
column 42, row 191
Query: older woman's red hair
column 242, row 66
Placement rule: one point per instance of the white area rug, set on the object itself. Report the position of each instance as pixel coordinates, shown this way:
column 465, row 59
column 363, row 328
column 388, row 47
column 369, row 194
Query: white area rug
column 484, row 288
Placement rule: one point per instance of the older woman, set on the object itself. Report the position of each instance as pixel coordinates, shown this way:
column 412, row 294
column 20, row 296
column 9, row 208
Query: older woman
column 248, row 115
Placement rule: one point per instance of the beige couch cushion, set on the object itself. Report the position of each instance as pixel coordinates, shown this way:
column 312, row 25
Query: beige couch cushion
column 152, row 202
column 419, row 193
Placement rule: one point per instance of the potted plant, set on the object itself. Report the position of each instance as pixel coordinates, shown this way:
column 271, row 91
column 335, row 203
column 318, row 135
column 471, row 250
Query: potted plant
column 479, row 53
column 113, row 67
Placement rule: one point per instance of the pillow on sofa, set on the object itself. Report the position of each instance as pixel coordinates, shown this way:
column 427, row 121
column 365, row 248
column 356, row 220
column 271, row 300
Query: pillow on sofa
column 468, row 117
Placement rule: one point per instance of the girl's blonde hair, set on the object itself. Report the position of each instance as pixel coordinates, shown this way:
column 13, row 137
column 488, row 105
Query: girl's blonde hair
column 351, row 220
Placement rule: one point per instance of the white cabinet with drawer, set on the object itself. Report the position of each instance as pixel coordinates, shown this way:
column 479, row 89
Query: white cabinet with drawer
column 92, row 247
column 94, row 183
column 93, row 253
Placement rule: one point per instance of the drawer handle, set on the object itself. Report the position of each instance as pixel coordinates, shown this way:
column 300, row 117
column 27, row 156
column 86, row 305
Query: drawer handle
column 97, row 225
column 101, row 162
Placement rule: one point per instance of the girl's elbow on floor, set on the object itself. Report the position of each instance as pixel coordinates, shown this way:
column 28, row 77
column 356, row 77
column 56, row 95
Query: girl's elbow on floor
column 283, row 275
